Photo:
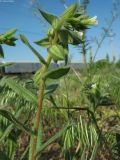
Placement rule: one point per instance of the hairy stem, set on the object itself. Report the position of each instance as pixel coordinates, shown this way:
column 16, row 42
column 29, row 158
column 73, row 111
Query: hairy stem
column 39, row 109
column 41, row 97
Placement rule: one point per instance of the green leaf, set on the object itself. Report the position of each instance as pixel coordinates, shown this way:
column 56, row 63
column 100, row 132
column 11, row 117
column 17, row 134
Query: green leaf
column 51, row 32
column 74, row 37
column 11, row 118
column 25, row 41
column 57, row 24
column 95, row 150
column 30, row 149
column 3, row 156
column 58, row 52
column 63, row 36
column 39, row 136
column 10, row 127
column 37, row 77
column 1, row 52
column 6, row 132
column 69, row 12
column 51, row 88
column 83, row 155
column 51, row 99
column 19, row 89
column 7, row 35
column 8, row 38
column 9, row 42
column 24, row 153
column 57, row 73
column 71, row 37
column 52, row 139
column 44, row 42
column 48, row 17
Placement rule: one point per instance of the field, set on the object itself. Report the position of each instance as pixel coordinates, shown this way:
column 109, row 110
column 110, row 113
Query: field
column 87, row 105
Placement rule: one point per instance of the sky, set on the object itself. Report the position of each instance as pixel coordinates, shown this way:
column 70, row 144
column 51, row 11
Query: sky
column 21, row 14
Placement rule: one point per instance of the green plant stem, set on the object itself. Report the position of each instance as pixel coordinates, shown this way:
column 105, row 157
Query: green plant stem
column 84, row 52
column 67, row 94
column 39, row 109
column 41, row 97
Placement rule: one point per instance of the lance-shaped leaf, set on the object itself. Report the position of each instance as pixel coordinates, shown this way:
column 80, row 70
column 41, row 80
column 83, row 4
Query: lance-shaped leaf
column 37, row 77
column 57, row 24
column 25, row 41
column 57, row 73
column 43, row 42
column 58, row 52
column 51, row 32
column 48, row 17
column 70, row 37
column 10, row 41
column 51, row 88
column 7, row 35
column 74, row 37
column 52, row 100
column 11, row 118
column 52, row 139
column 95, row 150
column 22, row 156
column 69, row 12
column 63, row 36
column 19, row 89
column 8, row 38
column 10, row 127
column 39, row 136
column 1, row 52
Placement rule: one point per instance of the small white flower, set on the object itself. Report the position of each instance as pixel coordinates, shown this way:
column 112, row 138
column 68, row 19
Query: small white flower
column 93, row 20
column 94, row 86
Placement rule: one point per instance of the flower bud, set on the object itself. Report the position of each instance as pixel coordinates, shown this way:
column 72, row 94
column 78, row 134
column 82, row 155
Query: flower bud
column 91, row 21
